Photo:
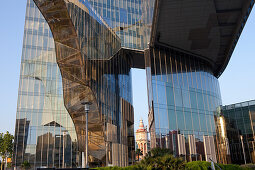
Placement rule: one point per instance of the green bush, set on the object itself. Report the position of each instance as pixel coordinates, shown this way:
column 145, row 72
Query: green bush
column 156, row 159
column 231, row 167
column 9, row 165
column 195, row 165
column 248, row 166
column 198, row 165
column 202, row 165
column 163, row 159
column 133, row 167
column 25, row 165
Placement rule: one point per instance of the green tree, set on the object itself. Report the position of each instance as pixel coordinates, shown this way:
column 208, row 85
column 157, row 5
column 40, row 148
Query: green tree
column 6, row 146
column 138, row 152
column 162, row 159
column 25, row 165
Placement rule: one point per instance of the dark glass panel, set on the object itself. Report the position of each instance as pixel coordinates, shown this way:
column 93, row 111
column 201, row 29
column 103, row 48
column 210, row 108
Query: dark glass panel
column 172, row 119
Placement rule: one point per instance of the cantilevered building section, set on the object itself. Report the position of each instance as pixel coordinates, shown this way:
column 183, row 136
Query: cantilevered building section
column 77, row 51
column 190, row 45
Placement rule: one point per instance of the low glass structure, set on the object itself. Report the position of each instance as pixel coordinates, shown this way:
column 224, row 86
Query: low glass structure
column 240, row 123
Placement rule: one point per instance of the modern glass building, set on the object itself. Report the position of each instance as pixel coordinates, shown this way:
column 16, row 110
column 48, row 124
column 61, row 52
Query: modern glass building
column 56, row 78
column 124, row 17
column 239, row 122
column 44, row 130
column 183, row 101
column 77, row 51
column 188, row 51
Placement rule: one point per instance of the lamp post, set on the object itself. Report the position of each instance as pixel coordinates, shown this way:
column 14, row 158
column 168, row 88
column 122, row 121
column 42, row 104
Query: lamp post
column 86, row 108
column 63, row 161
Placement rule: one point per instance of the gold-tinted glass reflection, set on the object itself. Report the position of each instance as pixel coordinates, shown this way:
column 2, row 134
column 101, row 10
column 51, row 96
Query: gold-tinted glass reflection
column 93, row 70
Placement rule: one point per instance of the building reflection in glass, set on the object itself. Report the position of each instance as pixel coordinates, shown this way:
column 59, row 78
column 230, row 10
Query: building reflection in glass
column 124, row 18
column 183, row 97
column 57, row 75
column 79, row 51
column 41, row 114
column 240, row 123
column 223, row 151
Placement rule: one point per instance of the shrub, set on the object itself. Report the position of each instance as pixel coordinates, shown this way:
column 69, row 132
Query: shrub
column 248, row 166
column 198, row 165
column 25, row 165
column 231, row 167
column 202, row 165
column 133, row 167
column 163, row 159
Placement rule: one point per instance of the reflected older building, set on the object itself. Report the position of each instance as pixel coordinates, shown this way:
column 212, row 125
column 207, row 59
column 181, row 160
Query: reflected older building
column 240, row 124
column 77, row 51
column 141, row 140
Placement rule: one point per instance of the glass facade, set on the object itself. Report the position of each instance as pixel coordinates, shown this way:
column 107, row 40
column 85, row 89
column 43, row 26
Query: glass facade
column 183, row 97
column 240, row 123
column 79, row 51
column 69, row 57
column 125, row 18
column 44, row 130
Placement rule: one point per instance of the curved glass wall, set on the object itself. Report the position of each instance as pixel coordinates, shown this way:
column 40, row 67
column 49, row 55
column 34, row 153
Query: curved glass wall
column 183, row 97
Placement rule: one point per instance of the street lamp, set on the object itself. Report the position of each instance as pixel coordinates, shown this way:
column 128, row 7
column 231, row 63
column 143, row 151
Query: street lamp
column 86, row 108
column 63, row 161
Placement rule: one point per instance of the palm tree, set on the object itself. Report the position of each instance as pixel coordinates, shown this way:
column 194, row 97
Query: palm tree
column 138, row 152
column 162, row 159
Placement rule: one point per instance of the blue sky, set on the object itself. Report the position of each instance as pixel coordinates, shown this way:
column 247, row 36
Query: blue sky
column 237, row 82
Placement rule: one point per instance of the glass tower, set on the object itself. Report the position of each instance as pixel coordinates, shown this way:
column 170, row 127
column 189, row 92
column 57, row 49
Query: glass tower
column 59, row 73
column 44, row 134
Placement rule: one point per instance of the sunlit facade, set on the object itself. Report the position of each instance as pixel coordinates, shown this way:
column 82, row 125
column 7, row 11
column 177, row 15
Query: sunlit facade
column 57, row 76
column 125, row 19
column 239, row 124
column 183, row 98
column 43, row 124
column 77, row 51
column 188, row 50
